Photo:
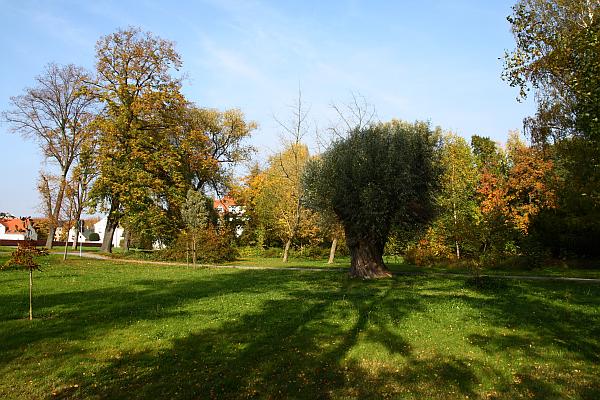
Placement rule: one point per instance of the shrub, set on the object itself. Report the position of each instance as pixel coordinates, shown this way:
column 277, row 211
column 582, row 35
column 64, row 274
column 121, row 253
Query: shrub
column 312, row 252
column 429, row 249
column 211, row 247
column 272, row 252
column 94, row 237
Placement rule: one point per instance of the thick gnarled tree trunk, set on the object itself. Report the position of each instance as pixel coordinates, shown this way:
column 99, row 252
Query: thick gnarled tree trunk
column 109, row 233
column 366, row 259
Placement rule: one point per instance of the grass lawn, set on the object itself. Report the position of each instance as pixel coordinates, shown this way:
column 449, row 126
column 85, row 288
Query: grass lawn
column 573, row 268
column 110, row 330
column 397, row 264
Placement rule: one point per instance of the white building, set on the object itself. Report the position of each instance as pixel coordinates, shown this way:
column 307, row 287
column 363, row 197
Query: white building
column 227, row 208
column 100, row 228
column 81, row 238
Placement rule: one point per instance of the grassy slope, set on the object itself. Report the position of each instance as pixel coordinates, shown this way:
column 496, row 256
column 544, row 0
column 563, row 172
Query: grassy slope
column 105, row 330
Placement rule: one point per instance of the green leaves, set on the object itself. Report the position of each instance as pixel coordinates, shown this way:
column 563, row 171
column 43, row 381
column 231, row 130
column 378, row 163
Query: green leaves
column 377, row 176
column 195, row 210
column 24, row 256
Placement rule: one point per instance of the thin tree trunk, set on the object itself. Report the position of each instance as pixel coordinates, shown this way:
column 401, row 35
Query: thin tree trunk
column 30, row 294
column 286, row 250
column 366, row 258
column 56, row 213
column 454, row 212
column 126, row 238
column 332, row 251
column 194, row 249
column 66, row 248
column 455, row 216
column 288, row 244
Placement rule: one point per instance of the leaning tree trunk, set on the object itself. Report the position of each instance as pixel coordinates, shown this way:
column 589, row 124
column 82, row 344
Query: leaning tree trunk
column 366, row 258
column 75, row 243
column 112, row 221
column 286, row 250
column 107, row 241
column 111, row 226
column 332, row 251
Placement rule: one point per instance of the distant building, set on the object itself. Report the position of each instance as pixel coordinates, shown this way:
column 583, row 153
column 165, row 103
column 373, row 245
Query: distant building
column 17, row 229
column 227, row 208
column 227, row 205
column 82, row 237
column 100, row 228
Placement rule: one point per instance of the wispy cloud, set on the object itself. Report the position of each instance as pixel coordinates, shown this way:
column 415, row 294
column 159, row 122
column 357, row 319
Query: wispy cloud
column 62, row 28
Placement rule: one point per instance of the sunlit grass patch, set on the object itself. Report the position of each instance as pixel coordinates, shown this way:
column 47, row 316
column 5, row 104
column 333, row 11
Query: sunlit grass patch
column 112, row 330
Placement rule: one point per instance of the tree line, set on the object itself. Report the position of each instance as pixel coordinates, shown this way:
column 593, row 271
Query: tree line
column 127, row 142
column 438, row 198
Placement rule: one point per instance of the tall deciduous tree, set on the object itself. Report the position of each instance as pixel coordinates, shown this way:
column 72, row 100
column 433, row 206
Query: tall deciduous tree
column 514, row 186
column 287, row 168
column 56, row 113
column 557, row 56
column 531, row 183
column 457, row 197
column 138, row 164
column 279, row 201
column 491, row 195
column 555, row 42
column 375, row 178
column 212, row 142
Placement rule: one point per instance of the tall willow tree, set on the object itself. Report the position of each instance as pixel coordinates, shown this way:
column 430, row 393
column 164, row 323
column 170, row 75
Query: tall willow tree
column 142, row 103
column 373, row 179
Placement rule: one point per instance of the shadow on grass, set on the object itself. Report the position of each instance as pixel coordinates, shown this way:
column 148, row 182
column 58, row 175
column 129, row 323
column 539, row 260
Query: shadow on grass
column 551, row 328
column 295, row 347
column 548, row 312
column 299, row 344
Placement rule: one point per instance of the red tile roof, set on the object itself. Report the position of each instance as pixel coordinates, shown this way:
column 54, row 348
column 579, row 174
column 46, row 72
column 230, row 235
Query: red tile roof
column 225, row 203
column 15, row 225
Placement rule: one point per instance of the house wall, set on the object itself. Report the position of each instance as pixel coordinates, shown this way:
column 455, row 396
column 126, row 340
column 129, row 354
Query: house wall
column 80, row 239
column 13, row 236
column 100, row 228
column 32, row 234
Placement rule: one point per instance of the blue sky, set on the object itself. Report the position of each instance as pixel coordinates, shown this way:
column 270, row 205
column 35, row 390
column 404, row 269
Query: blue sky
column 427, row 60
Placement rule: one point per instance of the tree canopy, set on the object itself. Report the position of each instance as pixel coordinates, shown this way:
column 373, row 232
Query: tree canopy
column 377, row 177
column 56, row 113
